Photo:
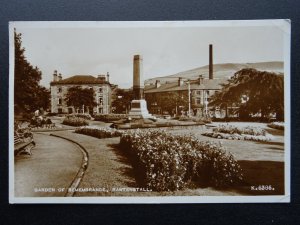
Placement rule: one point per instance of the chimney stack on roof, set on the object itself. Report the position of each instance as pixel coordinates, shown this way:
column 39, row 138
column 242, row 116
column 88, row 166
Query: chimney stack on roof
column 59, row 77
column 211, row 76
column 200, row 79
column 107, row 77
column 157, row 83
column 180, row 81
column 55, row 75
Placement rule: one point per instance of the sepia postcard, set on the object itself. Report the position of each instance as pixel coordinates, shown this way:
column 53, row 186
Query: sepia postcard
column 149, row 112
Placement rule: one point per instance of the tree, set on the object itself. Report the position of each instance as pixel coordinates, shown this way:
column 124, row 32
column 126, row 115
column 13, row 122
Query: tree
column 171, row 102
column 28, row 94
column 122, row 100
column 254, row 92
column 78, row 97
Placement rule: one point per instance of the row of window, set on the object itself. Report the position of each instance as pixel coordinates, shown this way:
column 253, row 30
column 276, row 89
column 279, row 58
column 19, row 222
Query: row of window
column 100, row 90
column 198, row 100
column 60, row 101
column 198, row 92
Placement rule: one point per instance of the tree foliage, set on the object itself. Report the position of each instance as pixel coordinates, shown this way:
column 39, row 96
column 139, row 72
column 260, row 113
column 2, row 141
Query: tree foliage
column 28, row 94
column 122, row 100
column 79, row 97
column 170, row 102
column 253, row 92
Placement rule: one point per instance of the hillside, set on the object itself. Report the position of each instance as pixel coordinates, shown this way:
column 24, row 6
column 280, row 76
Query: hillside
column 220, row 71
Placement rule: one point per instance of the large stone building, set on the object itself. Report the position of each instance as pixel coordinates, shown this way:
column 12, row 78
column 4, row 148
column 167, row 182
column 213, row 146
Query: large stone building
column 201, row 90
column 101, row 86
column 189, row 95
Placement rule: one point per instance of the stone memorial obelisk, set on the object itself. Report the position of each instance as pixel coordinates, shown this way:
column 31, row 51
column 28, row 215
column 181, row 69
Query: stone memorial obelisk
column 138, row 105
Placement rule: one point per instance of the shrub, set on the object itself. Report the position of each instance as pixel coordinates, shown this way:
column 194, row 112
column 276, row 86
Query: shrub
column 277, row 125
column 109, row 117
column 169, row 162
column 234, row 133
column 99, row 132
column 184, row 118
column 84, row 116
column 229, row 129
column 51, row 114
column 75, row 121
column 195, row 119
column 236, row 136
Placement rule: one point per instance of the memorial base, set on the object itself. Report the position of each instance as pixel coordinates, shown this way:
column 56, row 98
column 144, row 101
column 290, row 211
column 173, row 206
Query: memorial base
column 139, row 109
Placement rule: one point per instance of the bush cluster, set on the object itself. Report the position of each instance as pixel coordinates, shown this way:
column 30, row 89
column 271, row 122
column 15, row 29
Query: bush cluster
column 75, row 121
column 235, row 133
column 230, row 129
column 277, row 125
column 99, row 132
column 235, row 136
column 109, row 117
column 169, row 162
column 85, row 116
column 194, row 119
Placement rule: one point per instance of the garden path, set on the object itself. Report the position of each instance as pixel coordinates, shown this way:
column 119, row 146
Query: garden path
column 53, row 164
column 107, row 167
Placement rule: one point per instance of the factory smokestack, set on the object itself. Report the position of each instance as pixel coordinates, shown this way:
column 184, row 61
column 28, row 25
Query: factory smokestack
column 211, row 76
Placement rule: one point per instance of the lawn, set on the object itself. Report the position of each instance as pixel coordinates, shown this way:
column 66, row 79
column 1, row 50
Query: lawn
column 262, row 163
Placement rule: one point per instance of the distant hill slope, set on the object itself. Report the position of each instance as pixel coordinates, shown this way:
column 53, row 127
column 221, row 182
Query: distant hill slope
column 220, row 71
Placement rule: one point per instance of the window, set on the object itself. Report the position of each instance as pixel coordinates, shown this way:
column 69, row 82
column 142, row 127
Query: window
column 100, row 90
column 198, row 92
column 100, row 101
column 59, row 90
column 198, row 101
column 60, row 101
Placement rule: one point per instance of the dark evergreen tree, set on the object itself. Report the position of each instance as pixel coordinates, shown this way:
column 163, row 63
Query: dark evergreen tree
column 28, row 94
column 79, row 97
column 122, row 100
column 253, row 92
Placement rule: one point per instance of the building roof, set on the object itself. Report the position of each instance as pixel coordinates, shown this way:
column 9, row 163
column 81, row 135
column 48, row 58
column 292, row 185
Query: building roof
column 81, row 79
column 207, row 84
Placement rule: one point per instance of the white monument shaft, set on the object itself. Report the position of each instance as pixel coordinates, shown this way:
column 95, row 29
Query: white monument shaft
column 138, row 105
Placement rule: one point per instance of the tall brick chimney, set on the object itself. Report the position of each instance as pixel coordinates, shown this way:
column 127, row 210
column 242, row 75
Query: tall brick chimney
column 211, row 76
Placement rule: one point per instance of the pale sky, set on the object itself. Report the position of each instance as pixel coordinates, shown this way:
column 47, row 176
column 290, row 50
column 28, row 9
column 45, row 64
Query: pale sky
column 165, row 50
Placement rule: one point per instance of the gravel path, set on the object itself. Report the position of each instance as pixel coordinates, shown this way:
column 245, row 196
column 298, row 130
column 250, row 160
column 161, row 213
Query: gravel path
column 54, row 164
column 107, row 169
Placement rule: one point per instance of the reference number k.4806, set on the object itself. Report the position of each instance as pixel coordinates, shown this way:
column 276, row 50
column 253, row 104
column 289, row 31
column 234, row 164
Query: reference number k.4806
column 262, row 188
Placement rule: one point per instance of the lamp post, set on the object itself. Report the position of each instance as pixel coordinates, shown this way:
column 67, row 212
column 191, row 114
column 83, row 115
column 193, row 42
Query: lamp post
column 189, row 94
column 206, row 103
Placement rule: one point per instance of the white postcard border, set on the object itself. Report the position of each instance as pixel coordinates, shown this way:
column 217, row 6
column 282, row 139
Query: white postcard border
column 284, row 24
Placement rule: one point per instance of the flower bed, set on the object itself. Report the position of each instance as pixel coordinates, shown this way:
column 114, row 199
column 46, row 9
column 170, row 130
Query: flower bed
column 169, row 162
column 109, row 117
column 99, row 132
column 85, row 116
column 75, row 121
column 229, row 129
column 195, row 119
column 277, row 125
column 234, row 133
column 248, row 137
